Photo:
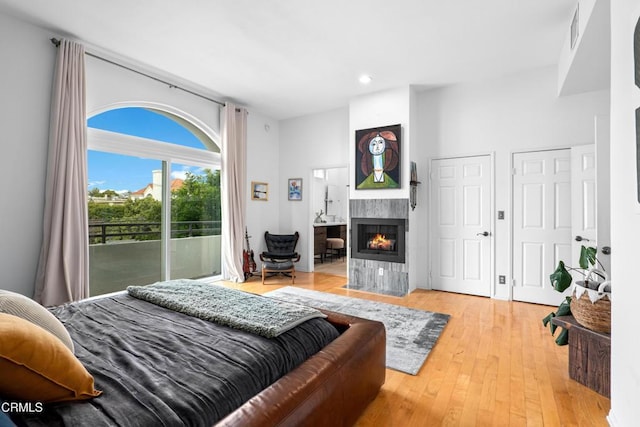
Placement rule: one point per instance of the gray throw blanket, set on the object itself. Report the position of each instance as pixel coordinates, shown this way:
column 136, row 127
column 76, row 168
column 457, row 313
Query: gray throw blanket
column 229, row 307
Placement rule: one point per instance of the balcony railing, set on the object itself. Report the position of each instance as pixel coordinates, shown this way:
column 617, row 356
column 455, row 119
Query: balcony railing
column 135, row 257
column 102, row 232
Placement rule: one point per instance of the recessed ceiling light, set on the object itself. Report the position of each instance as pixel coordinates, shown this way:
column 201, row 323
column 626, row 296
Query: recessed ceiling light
column 365, row 79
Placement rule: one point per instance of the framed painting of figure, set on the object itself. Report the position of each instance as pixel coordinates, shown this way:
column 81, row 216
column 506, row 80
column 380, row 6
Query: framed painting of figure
column 377, row 163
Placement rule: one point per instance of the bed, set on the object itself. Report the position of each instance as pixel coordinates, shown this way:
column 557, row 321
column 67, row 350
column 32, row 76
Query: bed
column 156, row 366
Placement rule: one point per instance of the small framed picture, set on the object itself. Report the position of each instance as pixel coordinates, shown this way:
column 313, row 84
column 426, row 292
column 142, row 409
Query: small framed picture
column 259, row 191
column 295, row 188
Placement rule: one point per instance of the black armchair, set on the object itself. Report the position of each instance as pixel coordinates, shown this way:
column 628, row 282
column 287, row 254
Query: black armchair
column 280, row 256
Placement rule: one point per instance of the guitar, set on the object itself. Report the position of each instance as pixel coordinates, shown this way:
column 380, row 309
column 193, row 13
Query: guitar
column 248, row 263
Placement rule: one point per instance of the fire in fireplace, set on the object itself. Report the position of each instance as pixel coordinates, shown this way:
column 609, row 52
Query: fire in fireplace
column 379, row 239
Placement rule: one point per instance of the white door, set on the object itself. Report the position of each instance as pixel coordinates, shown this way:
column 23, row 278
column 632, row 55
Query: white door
column 461, row 225
column 584, row 223
column 603, row 159
column 541, row 222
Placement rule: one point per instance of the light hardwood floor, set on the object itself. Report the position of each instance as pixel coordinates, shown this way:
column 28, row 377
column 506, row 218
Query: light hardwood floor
column 337, row 267
column 494, row 365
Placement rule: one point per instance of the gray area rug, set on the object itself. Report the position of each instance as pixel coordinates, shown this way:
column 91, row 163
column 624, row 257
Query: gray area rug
column 411, row 333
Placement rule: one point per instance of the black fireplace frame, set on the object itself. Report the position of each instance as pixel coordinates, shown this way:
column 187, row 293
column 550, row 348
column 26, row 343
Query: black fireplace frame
column 398, row 256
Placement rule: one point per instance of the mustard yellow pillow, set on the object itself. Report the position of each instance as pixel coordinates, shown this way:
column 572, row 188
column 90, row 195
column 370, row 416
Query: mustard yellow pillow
column 36, row 366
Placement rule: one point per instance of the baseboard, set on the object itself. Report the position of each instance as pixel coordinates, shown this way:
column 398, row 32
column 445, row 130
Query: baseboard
column 611, row 419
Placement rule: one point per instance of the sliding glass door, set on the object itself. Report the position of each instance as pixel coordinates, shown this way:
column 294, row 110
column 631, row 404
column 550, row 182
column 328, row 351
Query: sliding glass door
column 125, row 227
column 195, row 222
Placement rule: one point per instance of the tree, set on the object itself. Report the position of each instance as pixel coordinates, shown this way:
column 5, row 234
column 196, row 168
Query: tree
column 104, row 212
column 198, row 199
column 138, row 210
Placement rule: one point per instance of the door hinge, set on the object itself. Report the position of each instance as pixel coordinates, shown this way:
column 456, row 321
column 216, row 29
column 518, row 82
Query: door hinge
column 513, row 283
column 514, row 171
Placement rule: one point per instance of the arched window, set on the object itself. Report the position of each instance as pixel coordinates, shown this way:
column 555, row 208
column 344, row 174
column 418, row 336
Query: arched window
column 154, row 199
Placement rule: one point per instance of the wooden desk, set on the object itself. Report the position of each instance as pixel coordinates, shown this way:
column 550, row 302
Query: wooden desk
column 589, row 355
column 320, row 234
column 337, row 230
column 319, row 241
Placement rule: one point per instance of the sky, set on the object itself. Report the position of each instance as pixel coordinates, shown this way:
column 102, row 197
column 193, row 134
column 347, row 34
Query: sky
column 117, row 172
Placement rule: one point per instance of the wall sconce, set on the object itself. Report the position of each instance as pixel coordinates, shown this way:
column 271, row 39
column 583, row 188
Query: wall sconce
column 413, row 183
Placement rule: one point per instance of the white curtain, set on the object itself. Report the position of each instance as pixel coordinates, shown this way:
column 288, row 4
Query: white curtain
column 233, row 183
column 63, row 269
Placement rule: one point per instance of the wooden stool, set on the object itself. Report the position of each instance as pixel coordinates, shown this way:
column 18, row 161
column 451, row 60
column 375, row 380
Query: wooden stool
column 335, row 245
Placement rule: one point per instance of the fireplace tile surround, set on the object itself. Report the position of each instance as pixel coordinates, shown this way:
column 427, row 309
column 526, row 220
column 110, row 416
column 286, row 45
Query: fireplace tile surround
column 364, row 273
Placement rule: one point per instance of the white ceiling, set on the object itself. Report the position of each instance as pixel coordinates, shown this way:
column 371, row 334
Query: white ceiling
column 287, row 58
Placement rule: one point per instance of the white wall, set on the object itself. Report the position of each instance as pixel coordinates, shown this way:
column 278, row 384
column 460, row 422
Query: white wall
column 585, row 67
column 263, row 165
column 418, row 237
column 316, row 141
column 26, row 73
column 625, row 219
column 567, row 53
column 109, row 86
column 520, row 112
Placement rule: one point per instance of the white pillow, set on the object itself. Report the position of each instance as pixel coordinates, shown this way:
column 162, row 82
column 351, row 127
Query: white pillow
column 26, row 308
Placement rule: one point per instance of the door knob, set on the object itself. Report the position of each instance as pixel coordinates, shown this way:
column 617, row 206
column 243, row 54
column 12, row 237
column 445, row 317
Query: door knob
column 580, row 239
column 484, row 233
column 606, row 250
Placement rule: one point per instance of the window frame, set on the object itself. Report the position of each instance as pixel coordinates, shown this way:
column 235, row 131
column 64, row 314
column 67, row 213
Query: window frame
column 119, row 143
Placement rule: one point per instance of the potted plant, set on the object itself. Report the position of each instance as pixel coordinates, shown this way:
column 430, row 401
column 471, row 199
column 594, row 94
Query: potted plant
column 590, row 300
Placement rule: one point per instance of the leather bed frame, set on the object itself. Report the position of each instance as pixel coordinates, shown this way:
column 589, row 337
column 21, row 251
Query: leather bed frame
column 333, row 387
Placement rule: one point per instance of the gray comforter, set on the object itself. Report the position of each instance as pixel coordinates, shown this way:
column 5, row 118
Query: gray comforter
column 157, row 367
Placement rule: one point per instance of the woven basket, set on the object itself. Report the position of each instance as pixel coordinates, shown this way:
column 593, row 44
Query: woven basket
column 592, row 315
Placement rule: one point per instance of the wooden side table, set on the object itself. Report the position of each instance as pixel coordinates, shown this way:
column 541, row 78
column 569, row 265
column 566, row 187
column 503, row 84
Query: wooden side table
column 589, row 355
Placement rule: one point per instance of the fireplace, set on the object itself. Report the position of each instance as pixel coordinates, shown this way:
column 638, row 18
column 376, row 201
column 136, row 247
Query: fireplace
column 378, row 239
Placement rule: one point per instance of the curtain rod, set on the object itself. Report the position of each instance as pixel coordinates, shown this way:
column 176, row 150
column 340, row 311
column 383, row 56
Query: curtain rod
column 56, row 42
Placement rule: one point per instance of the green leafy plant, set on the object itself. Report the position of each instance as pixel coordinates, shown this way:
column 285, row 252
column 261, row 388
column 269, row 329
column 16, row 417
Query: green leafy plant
column 561, row 279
